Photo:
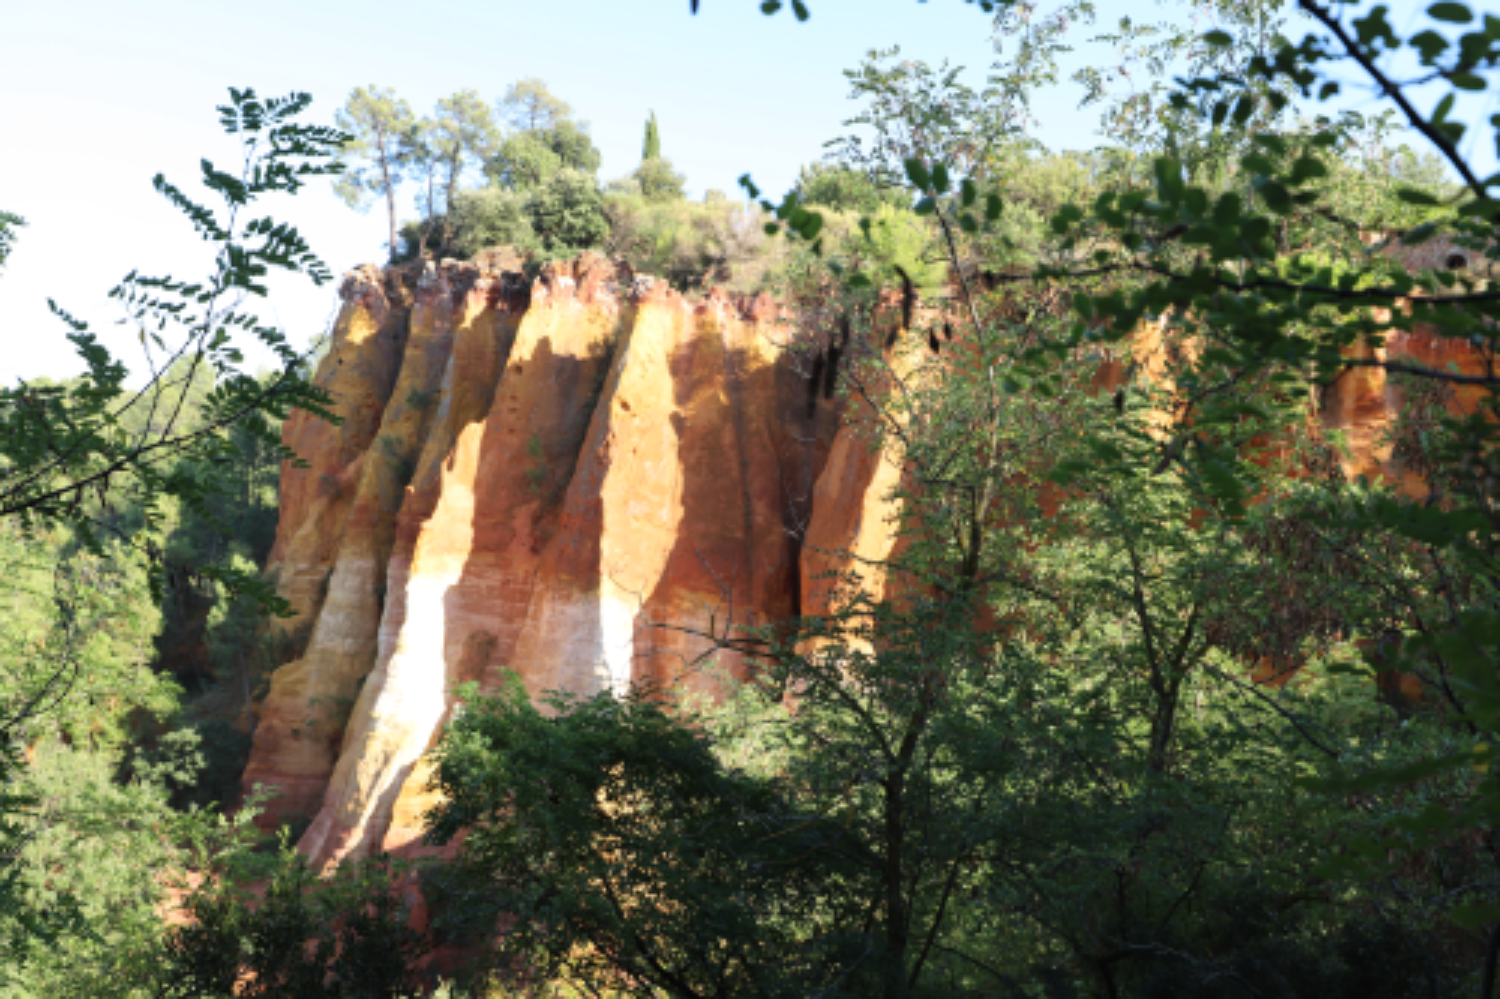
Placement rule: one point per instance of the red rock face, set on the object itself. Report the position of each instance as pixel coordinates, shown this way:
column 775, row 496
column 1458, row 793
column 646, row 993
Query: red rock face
column 559, row 476
column 575, row 479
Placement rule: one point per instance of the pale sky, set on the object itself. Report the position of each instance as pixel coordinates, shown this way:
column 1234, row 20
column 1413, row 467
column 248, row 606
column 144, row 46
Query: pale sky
column 101, row 95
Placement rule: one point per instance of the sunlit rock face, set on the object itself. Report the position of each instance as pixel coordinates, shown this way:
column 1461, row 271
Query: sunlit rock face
column 575, row 478
column 1364, row 403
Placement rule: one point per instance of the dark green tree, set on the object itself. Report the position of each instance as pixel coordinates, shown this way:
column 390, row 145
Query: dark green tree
column 651, row 146
column 74, row 458
column 567, row 213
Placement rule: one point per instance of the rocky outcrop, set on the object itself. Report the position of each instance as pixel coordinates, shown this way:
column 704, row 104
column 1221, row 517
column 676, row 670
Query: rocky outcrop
column 578, row 478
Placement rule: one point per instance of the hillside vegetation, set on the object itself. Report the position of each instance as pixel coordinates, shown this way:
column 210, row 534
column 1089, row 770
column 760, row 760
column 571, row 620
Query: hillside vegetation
column 1180, row 681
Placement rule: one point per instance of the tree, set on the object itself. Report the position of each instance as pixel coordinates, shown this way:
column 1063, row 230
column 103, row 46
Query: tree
column 528, row 106
column 376, row 120
column 72, row 456
column 1136, row 619
column 915, row 111
column 675, row 905
column 651, row 147
column 462, row 132
column 527, row 159
column 659, row 182
column 1276, row 295
column 655, row 176
column 239, row 945
column 567, row 213
column 842, row 189
column 492, row 216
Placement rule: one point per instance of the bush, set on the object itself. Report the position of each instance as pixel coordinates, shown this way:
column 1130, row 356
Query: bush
column 693, row 245
column 567, row 214
column 659, row 182
column 492, row 216
column 844, row 190
column 361, row 944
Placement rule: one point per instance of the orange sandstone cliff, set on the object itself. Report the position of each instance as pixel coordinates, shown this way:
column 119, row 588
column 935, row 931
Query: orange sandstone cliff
column 573, row 478
column 548, row 477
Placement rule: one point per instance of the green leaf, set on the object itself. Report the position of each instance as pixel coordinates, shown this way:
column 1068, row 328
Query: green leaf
column 1412, row 196
column 800, row 9
column 1168, row 178
column 968, row 193
column 1276, row 196
column 1218, row 39
column 940, row 178
column 1467, row 81
column 992, row 206
column 1258, row 164
column 1440, row 113
column 1307, row 168
column 1453, row 13
column 926, row 206
column 917, row 173
column 1243, row 109
column 1430, row 44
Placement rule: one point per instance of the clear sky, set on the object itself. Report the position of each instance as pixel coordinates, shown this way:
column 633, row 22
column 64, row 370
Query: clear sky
column 100, row 95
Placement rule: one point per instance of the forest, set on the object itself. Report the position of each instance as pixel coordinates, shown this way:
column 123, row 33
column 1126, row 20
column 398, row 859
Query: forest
column 1178, row 677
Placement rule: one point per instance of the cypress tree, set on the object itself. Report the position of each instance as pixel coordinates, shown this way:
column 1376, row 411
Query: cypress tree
column 652, row 148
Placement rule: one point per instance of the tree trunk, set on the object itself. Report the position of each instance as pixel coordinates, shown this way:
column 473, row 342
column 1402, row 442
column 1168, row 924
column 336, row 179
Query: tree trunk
column 448, row 197
column 426, row 228
column 390, row 193
column 895, row 901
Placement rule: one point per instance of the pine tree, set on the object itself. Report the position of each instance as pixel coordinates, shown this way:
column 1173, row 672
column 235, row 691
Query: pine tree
column 376, row 119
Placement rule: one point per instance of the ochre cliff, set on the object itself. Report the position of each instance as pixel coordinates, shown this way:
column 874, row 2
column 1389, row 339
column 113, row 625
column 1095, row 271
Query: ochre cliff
column 547, row 477
column 574, row 478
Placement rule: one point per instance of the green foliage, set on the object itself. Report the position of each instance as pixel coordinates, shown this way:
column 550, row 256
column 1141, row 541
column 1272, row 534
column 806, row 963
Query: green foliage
column 528, row 106
column 344, row 938
column 529, row 159
column 94, row 475
column 658, row 181
column 842, row 189
column 9, row 223
column 651, row 145
column 895, row 239
column 567, row 214
column 492, row 216
column 76, row 651
column 687, row 898
column 690, row 244
column 107, row 852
